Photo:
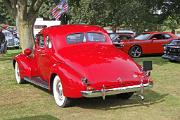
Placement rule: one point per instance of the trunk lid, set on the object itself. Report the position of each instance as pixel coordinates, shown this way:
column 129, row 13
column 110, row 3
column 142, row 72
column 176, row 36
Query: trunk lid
column 102, row 65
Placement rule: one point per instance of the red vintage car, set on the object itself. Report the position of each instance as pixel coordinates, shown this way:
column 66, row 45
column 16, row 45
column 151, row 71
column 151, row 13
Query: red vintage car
column 75, row 61
column 147, row 43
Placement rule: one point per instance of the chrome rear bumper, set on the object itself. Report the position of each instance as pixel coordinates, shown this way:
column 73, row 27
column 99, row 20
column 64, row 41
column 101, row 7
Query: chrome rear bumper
column 104, row 92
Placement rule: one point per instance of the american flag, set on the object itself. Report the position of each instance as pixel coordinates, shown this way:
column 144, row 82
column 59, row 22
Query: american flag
column 60, row 9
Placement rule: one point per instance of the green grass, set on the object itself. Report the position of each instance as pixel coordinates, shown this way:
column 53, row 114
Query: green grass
column 27, row 101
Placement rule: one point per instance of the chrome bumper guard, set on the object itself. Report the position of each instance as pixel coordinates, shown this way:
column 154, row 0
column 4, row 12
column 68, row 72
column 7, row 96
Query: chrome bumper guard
column 105, row 92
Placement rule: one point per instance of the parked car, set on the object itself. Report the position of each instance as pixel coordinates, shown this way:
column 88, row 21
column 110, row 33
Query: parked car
column 172, row 51
column 117, row 37
column 178, row 35
column 12, row 39
column 147, row 43
column 75, row 61
column 120, row 35
column 3, row 43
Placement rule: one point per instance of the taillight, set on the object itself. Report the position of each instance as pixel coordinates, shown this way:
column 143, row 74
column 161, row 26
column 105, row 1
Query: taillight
column 89, row 88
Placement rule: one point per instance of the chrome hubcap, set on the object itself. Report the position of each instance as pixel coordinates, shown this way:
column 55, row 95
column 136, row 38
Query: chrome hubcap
column 59, row 91
column 136, row 52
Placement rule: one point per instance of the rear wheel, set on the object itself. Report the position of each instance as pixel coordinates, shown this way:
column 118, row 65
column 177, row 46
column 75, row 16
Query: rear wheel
column 135, row 51
column 59, row 97
column 125, row 96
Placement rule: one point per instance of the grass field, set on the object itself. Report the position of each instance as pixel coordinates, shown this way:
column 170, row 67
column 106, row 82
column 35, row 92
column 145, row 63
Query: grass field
column 21, row 102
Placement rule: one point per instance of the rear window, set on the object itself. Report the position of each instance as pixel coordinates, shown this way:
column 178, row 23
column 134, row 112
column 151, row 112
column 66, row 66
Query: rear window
column 75, row 38
column 95, row 37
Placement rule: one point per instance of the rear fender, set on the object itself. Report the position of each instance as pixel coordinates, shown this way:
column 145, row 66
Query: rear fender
column 71, row 80
column 23, row 64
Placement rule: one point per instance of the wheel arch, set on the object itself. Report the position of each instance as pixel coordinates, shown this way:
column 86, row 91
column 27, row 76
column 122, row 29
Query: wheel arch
column 135, row 45
column 53, row 75
column 23, row 64
column 70, row 80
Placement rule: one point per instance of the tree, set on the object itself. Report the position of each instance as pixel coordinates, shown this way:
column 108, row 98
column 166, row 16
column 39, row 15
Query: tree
column 135, row 14
column 5, row 18
column 25, row 13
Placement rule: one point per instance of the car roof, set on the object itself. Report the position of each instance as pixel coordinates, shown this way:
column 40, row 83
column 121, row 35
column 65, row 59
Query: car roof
column 74, row 28
column 121, row 31
column 156, row 32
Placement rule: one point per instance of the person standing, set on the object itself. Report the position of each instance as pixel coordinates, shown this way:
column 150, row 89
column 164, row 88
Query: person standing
column 3, row 43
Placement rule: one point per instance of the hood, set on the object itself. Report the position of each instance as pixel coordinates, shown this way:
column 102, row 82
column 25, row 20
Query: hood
column 101, row 64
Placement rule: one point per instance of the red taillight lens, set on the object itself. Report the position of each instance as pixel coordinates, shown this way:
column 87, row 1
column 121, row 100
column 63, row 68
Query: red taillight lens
column 89, row 88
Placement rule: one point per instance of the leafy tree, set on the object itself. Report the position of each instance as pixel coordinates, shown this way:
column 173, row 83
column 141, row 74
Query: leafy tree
column 135, row 14
column 5, row 18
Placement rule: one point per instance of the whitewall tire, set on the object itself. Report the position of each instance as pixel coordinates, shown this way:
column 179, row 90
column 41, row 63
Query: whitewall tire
column 17, row 74
column 59, row 97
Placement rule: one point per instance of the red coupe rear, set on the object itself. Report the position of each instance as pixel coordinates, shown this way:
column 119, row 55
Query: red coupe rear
column 75, row 61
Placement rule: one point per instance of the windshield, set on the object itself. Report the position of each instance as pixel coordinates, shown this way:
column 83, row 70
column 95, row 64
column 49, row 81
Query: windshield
column 175, row 42
column 142, row 37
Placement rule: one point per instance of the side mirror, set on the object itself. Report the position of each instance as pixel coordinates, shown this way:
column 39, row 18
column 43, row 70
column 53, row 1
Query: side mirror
column 147, row 65
column 27, row 51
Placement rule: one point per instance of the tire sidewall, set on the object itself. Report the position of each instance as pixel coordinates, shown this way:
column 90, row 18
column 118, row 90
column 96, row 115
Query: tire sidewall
column 60, row 103
column 17, row 74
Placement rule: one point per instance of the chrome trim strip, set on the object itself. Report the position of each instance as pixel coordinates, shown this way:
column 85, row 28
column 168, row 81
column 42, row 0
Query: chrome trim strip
column 114, row 91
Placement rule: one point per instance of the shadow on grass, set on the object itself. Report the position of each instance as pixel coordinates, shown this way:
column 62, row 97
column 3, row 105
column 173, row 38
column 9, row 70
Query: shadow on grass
column 39, row 117
column 112, row 102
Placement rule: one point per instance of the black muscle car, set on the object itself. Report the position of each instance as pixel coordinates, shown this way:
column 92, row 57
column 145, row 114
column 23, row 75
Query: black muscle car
column 172, row 51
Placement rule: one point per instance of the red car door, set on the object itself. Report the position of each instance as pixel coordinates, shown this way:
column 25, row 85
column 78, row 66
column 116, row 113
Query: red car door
column 39, row 54
column 45, row 59
column 158, row 40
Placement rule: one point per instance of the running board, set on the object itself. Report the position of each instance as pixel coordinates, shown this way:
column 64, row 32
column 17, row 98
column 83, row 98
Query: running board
column 37, row 81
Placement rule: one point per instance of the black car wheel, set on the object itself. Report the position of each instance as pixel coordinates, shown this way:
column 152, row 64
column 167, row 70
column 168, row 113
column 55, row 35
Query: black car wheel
column 135, row 51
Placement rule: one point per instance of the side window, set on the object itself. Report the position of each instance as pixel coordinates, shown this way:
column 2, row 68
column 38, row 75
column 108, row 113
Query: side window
column 48, row 42
column 41, row 41
column 158, row 36
column 166, row 36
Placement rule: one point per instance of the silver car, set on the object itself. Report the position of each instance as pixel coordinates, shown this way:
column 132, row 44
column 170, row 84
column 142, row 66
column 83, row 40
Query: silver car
column 12, row 41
